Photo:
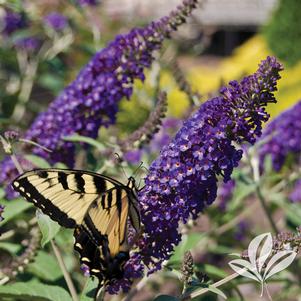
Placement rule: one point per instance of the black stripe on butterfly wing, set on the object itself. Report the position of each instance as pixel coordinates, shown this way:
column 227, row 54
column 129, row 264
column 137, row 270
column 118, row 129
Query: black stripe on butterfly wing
column 65, row 195
column 62, row 178
column 31, row 194
column 90, row 253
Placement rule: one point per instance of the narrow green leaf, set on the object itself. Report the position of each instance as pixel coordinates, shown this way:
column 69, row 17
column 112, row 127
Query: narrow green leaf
column 217, row 291
column 37, row 161
column 89, row 289
column 165, row 298
column 49, row 228
column 10, row 247
column 13, row 208
column 33, row 291
column 88, row 140
column 214, row 271
column 188, row 242
column 45, row 267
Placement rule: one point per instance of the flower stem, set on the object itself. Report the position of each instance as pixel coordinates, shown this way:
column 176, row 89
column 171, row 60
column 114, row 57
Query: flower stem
column 266, row 208
column 202, row 291
column 67, row 277
column 254, row 162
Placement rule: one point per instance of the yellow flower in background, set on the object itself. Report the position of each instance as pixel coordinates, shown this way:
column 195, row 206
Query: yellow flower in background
column 245, row 60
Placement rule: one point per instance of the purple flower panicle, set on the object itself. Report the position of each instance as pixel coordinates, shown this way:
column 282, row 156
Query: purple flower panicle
column 182, row 181
column 8, row 172
column 295, row 195
column 12, row 21
column 225, row 193
column 29, row 44
column 56, row 21
column 88, row 2
column 283, row 137
column 91, row 101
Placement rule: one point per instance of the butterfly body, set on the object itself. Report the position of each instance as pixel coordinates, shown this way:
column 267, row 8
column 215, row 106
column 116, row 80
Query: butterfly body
column 99, row 208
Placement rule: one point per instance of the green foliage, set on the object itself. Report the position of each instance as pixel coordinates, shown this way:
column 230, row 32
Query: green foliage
column 284, row 30
column 33, row 291
column 48, row 227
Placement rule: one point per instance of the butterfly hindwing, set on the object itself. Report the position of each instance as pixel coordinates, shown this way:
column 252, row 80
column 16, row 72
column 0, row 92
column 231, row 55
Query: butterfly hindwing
column 64, row 195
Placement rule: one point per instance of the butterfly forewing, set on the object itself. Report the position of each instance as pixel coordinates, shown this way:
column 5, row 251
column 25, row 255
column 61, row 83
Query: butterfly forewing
column 65, row 195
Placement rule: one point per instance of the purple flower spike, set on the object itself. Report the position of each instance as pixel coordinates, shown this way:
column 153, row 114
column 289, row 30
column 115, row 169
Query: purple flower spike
column 133, row 156
column 91, row 101
column 29, row 44
column 236, row 116
column 12, row 21
column 87, row 2
column 283, row 137
column 225, row 194
column 8, row 172
column 56, row 21
column 295, row 195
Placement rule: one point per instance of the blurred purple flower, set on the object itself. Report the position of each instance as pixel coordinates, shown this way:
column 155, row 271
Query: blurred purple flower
column 225, row 193
column 86, row 270
column 295, row 195
column 163, row 137
column 283, row 137
column 29, row 44
column 1, row 211
column 92, row 99
column 56, row 21
column 12, row 21
column 241, row 231
column 182, row 181
column 8, row 172
column 133, row 156
column 88, row 2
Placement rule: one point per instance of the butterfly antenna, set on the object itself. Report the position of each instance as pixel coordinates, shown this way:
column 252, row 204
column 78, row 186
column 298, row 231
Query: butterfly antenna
column 137, row 169
column 119, row 159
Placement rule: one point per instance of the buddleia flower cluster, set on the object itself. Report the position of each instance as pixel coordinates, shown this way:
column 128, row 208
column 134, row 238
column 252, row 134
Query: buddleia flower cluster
column 283, row 138
column 182, row 181
column 91, row 100
column 56, row 21
column 12, row 21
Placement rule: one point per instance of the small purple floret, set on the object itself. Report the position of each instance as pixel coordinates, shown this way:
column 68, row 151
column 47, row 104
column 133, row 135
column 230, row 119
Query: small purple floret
column 56, row 21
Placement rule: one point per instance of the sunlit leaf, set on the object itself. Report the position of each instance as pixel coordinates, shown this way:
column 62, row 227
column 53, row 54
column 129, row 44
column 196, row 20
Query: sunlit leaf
column 37, row 161
column 13, row 208
column 49, row 228
column 217, row 291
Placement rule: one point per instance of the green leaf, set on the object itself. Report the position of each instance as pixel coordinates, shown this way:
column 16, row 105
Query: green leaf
column 49, row 228
column 188, row 242
column 37, row 161
column 88, row 140
column 217, row 291
column 214, row 271
column 165, row 298
column 13, row 208
column 89, row 289
column 34, row 291
column 10, row 247
column 45, row 267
